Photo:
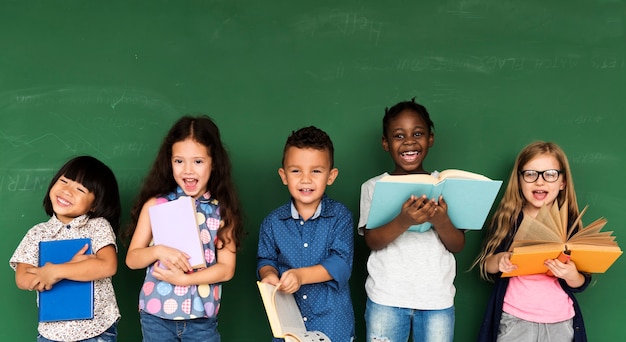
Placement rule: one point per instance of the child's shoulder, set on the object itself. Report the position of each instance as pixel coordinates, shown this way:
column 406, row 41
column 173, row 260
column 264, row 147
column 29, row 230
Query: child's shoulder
column 331, row 206
column 370, row 182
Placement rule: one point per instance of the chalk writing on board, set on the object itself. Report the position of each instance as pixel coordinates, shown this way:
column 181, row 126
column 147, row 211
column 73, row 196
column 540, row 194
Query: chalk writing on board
column 345, row 24
column 592, row 158
column 24, row 182
column 608, row 63
column 489, row 64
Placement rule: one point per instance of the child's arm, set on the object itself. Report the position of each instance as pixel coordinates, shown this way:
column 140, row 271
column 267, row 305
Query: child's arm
column 293, row 279
column 81, row 268
column 499, row 262
column 223, row 270
column 415, row 210
column 23, row 279
column 269, row 274
column 452, row 238
column 141, row 254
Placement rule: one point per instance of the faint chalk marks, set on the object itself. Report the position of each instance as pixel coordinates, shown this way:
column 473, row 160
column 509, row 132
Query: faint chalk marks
column 340, row 23
column 102, row 121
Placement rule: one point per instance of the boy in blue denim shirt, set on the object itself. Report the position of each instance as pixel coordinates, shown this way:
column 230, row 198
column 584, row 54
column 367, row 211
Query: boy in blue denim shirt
column 306, row 246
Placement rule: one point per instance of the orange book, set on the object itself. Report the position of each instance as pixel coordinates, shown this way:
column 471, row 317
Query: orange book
column 548, row 237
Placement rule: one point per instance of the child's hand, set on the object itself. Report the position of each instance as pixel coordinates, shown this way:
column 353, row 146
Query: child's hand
column 271, row 279
column 173, row 257
column 290, row 281
column 81, row 256
column 504, row 262
column 565, row 270
column 45, row 277
column 440, row 214
column 172, row 274
column 417, row 210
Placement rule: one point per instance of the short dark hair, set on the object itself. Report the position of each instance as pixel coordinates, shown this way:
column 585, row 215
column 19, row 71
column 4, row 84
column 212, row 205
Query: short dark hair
column 310, row 137
column 98, row 179
column 399, row 107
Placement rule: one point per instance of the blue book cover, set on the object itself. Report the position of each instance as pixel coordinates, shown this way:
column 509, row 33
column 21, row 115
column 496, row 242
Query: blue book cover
column 469, row 196
column 68, row 299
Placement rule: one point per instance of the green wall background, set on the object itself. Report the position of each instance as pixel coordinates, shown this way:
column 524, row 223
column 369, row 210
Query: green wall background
column 109, row 78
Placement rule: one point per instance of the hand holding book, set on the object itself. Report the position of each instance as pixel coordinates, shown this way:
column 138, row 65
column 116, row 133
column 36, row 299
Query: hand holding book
column 547, row 236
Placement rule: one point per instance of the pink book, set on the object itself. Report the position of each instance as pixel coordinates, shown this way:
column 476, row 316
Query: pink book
column 174, row 225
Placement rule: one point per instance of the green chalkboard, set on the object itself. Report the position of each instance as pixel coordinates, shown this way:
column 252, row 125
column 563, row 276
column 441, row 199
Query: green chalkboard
column 108, row 78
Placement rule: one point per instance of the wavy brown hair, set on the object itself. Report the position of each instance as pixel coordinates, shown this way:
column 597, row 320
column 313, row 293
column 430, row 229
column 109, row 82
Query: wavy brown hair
column 160, row 179
column 513, row 201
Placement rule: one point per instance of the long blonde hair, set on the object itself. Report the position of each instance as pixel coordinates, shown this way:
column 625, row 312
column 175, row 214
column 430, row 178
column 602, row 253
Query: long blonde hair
column 513, row 201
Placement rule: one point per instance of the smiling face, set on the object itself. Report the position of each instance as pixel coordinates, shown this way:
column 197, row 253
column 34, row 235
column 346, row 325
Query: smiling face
column 306, row 172
column 70, row 199
column 540, row 192
column 407, row 140
column 191, row 166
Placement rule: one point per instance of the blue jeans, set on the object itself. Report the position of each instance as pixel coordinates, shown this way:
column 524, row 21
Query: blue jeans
column 392, row 324
column 156, row 329
column 109, row 335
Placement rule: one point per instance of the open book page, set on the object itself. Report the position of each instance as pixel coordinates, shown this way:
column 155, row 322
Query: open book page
column 539, row 238
column 282, row 310
column 435, row 178
column 461, row 174
column 413, row 178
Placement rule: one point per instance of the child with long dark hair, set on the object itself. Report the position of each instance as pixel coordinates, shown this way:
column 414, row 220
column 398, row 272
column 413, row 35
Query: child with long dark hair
column 177, row 303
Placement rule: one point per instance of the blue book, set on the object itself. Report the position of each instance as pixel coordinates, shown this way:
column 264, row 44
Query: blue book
column 469, row 196
column 68, row 299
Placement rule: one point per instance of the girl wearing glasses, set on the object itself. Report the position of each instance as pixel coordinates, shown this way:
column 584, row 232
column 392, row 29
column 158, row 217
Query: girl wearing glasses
column 533, row 307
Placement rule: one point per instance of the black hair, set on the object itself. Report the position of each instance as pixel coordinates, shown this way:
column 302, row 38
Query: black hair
column 98, row 179
column 391, row 113
column 310, row 137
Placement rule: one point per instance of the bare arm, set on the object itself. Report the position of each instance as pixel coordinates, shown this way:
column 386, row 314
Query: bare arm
column 141, row 254
column 81, row 268
column 500, row 262
column 223, row 270
column 293, row 279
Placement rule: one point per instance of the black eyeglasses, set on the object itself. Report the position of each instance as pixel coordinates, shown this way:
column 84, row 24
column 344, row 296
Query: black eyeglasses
column 531, row 176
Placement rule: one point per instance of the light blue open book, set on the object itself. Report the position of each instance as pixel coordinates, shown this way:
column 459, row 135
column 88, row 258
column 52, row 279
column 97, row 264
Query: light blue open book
column 469, row 197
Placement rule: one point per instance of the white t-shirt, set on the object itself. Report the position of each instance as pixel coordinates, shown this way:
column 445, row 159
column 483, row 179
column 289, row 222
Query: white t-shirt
column 414, row 271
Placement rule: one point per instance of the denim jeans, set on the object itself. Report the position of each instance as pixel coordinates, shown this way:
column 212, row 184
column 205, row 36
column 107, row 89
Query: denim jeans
column 156, row 329
column 392, row 324
column 109, row 335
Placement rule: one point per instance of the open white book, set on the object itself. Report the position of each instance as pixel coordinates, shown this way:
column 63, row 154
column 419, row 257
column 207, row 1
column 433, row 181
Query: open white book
column 285, row 317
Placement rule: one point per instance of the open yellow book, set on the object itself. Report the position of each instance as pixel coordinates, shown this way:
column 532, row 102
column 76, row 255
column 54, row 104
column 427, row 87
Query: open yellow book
column 548, row 237
column 285, row 317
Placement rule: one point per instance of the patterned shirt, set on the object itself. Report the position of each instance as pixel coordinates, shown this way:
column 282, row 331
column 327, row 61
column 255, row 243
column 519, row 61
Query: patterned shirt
column 168, row 301
column 101, row 234
column 286, row 241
